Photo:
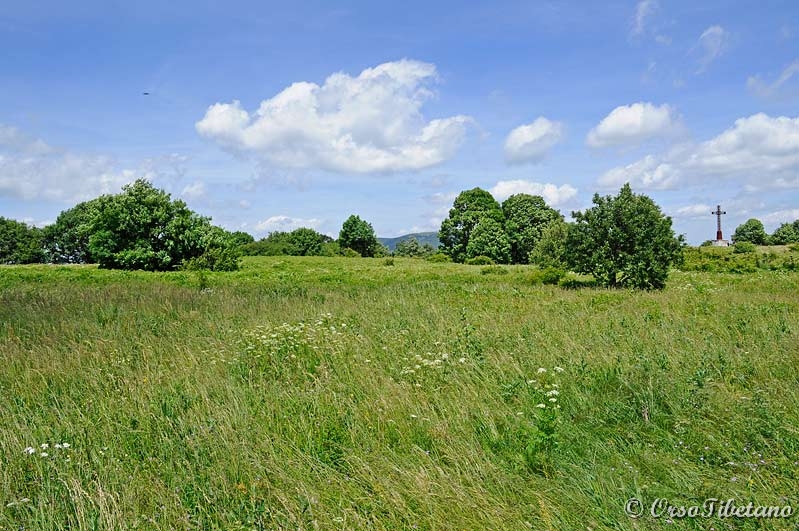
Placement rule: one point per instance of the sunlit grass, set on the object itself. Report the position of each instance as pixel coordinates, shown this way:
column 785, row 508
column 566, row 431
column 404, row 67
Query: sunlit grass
column 320, row 393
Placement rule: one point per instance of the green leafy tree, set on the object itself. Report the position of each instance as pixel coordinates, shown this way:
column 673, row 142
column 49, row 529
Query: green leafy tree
column 751, row 231
column 19, row 243
column 142, row 228
column 550, row 249
column 358, row 235
column 623, row 241
column 308, row 242
column 785, row 234
column 489, row 239
column 412, row 248
column 241, row 238
column 67, row 240
column 526, row 218
column 469, row 208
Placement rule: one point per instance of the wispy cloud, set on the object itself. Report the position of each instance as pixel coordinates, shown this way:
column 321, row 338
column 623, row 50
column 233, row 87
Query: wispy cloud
column 776, row 88
column 711, row 45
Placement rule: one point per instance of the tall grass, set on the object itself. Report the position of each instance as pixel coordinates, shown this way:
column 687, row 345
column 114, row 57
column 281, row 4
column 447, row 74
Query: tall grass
column 325, row 393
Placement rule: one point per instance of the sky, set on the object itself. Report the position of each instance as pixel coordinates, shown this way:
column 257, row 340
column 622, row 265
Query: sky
column 271, row 116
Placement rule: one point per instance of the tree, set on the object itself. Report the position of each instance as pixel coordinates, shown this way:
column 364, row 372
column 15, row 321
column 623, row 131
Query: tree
column 786, row 233
column 468, row 209
column 19, row 243
column 526, row 217
column 67, row 240
column 358, row 235
column 241, row 238
column 412, row 248
column 550, row 249
column 489, row 239
column 751, row 231
column 142, row 228
column 623, row 241
column 308, row 242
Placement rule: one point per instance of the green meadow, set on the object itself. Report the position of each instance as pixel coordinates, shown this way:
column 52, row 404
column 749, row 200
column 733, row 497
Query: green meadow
column 392, row 394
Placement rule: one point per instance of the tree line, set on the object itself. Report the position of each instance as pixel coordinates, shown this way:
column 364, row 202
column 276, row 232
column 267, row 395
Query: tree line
column 622, row 241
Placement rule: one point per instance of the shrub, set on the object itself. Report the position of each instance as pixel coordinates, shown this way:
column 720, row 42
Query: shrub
column 623, row 241
column 388, row 261
column 744, row 247
column 573, row 281
column 439, row 258
column 351, row 253
column 480, row 260
column 493, row 270
column 552, row 275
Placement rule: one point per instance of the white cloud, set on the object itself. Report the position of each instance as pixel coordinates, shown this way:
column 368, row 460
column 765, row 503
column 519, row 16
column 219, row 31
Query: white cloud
column 768, row 90
column 635, row 123
column 711, row 45
column 758, row 151
column 32, row 169
column 781, row 216
column 369, row 123
column 643, row 11
column 286, row 223
column 553, row 194
column 532, row 142
column 194, row 191
column 700, row 210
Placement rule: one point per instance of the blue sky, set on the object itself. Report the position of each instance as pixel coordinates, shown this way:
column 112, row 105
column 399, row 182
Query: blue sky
column 270, row 116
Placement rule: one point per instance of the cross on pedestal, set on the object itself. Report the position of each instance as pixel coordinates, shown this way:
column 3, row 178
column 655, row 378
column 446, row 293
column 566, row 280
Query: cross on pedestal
column 718, row 213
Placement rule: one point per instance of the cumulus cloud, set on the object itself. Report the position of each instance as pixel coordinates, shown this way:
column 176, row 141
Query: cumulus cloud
column 768, row 90
column 700, row 210
column 632, row 124
column 711, row 45
column 32, row 169
column 369, row 123
column 553, row 194
column 781, row 216
column 193, row 191
column 643, row 12
column 532, row 142
column 758, row 151
column 286, row 223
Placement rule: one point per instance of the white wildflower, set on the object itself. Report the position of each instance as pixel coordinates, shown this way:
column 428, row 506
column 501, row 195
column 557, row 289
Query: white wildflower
column 553, row 399
column 44, row 454
column 559, row 369
column 44, row 446
column 553, row 392
column 541, row 370
column 462, row 360
column 541, row 406
column 29, row 450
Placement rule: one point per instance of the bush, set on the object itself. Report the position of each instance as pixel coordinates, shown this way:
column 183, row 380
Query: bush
column 493, row 270
column 388, row 261
column 623, row 241
column 439, row 258
column 552, row 275
column 351, row 253
column 744, row 247
column 480, row 260
column 573, row 281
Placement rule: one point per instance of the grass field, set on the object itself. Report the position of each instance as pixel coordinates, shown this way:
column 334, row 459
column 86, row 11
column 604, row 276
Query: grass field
column 334, row 393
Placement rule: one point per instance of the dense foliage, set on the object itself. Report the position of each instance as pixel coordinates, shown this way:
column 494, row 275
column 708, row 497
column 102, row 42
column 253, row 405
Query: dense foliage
column 489, row 239
column 413, row 249
column 526, row 218
column 786, row 233
column 19, row 243
column 67, row 240
column 469, row 208
column 623, row 241
column 751, row 231
column 142, row 228
column 299, row 242
column 358, row 235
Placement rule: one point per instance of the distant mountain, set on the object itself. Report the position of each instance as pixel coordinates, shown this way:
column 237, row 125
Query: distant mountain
column 421, row 237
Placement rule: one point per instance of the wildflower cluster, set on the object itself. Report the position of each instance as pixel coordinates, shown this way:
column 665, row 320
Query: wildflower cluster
column 419, row 366
column 545, row 393
column 293, row 346
column 44, row 450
